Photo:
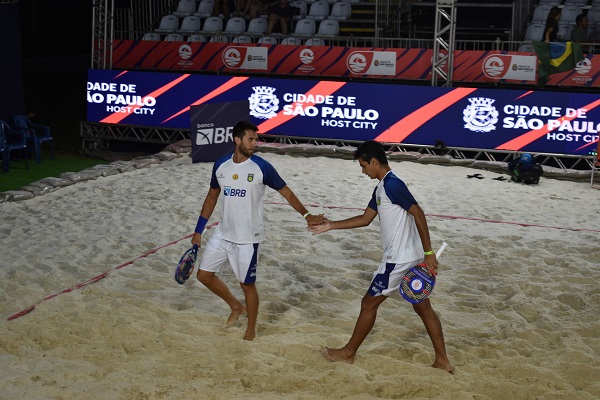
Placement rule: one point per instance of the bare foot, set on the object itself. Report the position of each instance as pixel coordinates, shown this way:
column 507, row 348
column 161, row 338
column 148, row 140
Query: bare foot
column 344, row 354
column 235, row 314
column 445, row 366
column 249, row 336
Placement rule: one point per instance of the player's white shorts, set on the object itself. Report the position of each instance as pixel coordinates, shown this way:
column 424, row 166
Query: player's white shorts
column 388, row 278
column 242, row 258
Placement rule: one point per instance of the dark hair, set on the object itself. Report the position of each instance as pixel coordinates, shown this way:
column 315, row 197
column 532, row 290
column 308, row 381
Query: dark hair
column 554, row 11
column 240, row 128
column 371, row 149
column 579, row 18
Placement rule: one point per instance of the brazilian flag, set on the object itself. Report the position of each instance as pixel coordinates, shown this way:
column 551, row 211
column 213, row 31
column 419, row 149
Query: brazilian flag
column 556, row 57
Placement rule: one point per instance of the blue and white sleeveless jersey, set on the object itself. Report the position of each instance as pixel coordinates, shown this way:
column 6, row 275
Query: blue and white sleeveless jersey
column 399, row 235
column 242, row 194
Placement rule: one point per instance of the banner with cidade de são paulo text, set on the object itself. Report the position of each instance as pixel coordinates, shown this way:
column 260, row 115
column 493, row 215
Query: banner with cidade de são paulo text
column 482, row 118
column 344, row 62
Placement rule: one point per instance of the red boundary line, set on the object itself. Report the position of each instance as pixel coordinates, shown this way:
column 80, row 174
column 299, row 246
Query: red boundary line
column 97, row 278
column 105, row 274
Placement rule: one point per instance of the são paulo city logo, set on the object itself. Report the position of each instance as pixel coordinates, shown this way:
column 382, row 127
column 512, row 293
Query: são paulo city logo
column 263, row 102
column 480, row 115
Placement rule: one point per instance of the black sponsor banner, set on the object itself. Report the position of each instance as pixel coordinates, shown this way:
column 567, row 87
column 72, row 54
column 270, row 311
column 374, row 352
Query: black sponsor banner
column 212, row 126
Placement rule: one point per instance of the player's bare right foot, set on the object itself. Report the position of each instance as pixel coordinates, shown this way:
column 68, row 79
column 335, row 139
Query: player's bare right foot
column 334, row 355
column 235, row 314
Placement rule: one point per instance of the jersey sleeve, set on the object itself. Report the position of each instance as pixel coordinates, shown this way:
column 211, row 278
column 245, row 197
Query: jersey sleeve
column 373, row 202
column 270, row 176
column 398, row 193
column 214, row 183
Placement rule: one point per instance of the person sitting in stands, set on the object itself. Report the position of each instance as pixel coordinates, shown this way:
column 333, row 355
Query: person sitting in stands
column 579, row 34
column 254, row 8
column 281, row 15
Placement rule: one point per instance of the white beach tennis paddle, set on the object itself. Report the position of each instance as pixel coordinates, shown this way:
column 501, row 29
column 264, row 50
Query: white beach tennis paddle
column 417, row 285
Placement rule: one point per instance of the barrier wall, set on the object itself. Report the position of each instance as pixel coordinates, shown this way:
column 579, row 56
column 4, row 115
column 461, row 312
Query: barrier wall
column 516, row 120
column 343, row 62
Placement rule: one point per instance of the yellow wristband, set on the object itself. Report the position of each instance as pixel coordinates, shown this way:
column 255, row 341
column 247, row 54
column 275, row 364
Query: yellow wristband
column 428, row 253
column 307, row 214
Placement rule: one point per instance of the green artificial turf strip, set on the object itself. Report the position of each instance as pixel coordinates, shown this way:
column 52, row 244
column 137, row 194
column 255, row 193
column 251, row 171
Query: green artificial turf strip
column 19, row 176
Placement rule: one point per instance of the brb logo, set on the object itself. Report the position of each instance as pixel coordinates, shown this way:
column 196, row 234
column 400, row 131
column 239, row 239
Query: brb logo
column 213, row 135
column 263, row 103
column 231, row 192
column 481, row 115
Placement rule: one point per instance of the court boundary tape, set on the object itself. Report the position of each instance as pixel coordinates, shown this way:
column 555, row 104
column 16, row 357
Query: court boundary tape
column 105, row 274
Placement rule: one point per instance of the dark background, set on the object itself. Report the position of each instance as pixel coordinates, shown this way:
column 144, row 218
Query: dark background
column 46, row 47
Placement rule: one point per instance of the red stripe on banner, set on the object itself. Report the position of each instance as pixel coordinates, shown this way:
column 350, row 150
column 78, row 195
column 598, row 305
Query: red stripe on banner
column 117, row 117
column 233, row 82
column 525, row 94
column 531, row 136
column 407, row 125
column 322, row 88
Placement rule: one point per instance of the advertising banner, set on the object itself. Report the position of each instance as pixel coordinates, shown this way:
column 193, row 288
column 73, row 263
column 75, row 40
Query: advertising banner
column 211, row 128
column 344, row 62
column 519, row 120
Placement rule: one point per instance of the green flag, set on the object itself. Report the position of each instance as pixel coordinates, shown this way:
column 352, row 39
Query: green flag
column 556, row 57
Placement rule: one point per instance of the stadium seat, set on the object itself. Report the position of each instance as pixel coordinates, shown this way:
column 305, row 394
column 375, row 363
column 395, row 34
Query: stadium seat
column 341, row 11
column 242, row 39
column 11, row 139
column 152, row 36
column 205, row 9
column 190, row 24
column 315, row 42
column 258, row 25
column 174, row 37
column 219, row 39
column 540, row 13
column 526, row 48
column 318, row 11
column 534, row 32
column 292, row 40
column 168, row 24
column 306, row 27
column 578, row 3
column 267, row 40
column 565, row 29
column 235, row 25
column 36, row 134
column 196, row 37
column 302, row 6
column 569, row 13
column 185, row 8
column 212, row 24
column 329, row 27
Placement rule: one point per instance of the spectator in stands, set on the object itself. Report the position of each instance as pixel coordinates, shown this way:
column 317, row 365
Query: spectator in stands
column 254, row 8
column 281, row 15
column 551, row 29
column 579, row 33
column 223, row 7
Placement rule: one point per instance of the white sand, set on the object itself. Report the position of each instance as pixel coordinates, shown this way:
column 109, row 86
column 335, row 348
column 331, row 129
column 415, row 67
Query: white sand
column 519, row 305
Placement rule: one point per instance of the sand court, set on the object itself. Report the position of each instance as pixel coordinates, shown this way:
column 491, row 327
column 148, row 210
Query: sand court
column 517, row 291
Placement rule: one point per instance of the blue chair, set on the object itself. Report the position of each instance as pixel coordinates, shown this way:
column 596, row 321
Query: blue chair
column 11, row 139
column 36, row 134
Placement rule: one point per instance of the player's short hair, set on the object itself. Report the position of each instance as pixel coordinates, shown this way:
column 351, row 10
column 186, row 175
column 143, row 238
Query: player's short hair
column 579, row 18
column 240, row 128
column 371, row 149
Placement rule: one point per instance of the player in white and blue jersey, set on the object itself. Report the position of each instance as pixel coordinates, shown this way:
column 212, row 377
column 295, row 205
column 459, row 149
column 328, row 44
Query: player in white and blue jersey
column 240, row 179
column 406, row 243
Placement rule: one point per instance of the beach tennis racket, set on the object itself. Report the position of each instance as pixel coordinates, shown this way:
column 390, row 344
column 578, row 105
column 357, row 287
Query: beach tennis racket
column 186, row 265
column 417, row 285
